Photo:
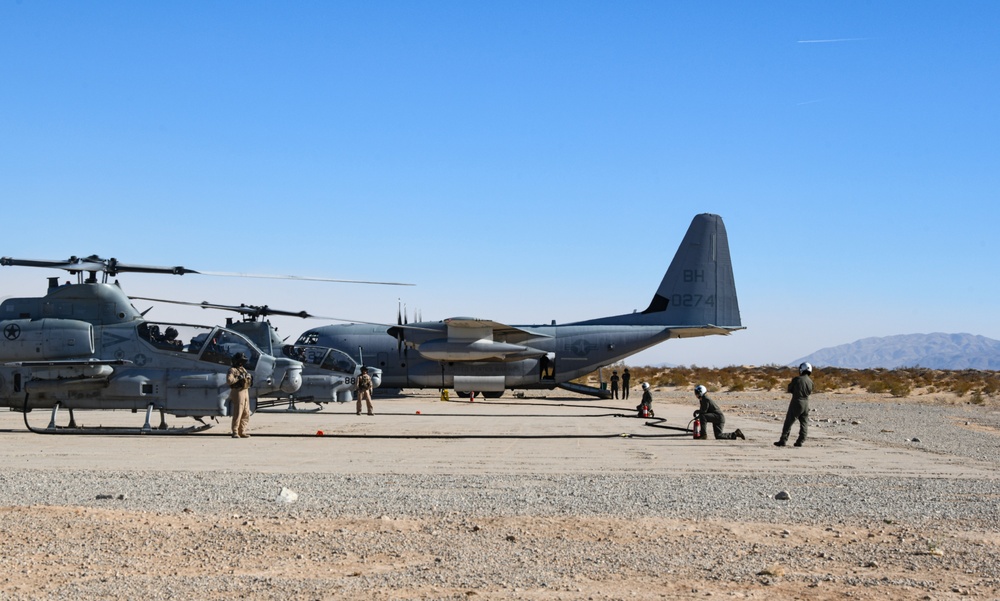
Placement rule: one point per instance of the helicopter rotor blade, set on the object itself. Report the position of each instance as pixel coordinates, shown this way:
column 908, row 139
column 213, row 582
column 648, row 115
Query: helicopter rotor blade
column 297, row 277
column 113, row 267
column 263, row 311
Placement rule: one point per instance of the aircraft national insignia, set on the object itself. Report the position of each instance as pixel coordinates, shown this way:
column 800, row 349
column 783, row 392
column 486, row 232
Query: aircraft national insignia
column 582, row 348
column 12, row 332
column 140, row 359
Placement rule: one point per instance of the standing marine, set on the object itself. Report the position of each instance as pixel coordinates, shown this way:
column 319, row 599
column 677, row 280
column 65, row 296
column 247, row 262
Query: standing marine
column 626, row 382
column 239, row 381
column 614, row 385
column 798, row 409
column 365, row 390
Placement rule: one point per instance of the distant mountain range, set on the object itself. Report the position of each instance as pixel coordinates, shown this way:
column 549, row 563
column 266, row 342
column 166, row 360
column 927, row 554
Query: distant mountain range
column 935, row 351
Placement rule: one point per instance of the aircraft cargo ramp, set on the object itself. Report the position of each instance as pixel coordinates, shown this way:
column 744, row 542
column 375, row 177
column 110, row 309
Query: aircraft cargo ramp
column 600, row 393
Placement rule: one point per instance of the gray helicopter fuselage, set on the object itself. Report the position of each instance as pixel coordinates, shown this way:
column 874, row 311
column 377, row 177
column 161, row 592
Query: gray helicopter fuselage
column 328, row 374
column 84, row 346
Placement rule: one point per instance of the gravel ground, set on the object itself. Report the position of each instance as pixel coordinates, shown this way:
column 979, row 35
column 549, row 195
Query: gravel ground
column 95, row 534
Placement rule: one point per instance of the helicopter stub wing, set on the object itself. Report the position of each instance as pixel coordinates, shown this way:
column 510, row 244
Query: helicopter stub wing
column 68, row 373
column 68, row 363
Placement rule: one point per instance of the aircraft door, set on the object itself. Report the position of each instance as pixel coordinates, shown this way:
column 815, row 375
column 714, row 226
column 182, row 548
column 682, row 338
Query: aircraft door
column 547, row 366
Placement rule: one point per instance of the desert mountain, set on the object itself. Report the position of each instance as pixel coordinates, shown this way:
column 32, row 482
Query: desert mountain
column 935, row 351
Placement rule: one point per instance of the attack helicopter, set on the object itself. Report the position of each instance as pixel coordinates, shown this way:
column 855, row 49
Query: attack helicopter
column 328, row 374
column 84, row 345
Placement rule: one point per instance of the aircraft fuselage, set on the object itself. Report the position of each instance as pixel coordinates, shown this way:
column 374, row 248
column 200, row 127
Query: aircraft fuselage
column 571, row 351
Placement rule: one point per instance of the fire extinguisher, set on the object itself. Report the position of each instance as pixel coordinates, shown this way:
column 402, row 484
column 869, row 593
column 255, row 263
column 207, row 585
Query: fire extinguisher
column 697, row 425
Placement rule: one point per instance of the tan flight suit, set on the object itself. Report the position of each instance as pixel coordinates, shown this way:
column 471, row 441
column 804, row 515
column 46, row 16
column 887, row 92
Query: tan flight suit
column 365, row 392
column 239, row 381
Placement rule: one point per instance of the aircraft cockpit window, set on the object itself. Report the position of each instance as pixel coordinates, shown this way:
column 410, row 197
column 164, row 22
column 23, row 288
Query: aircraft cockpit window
column 308, row 338
column 221, row 345
column 339, row 361
column 166, row 337
column 306, row 354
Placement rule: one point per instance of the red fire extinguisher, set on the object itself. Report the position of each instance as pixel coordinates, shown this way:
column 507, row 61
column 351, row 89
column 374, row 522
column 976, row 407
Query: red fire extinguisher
column 697, row 425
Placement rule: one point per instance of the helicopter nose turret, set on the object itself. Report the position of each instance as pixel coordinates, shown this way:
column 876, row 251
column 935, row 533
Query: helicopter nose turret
column 288, row 374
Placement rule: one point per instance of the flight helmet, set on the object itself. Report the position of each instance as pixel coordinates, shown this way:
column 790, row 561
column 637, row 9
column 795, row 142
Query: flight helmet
column 805, row 368
column 700, row 390
column 645, row 385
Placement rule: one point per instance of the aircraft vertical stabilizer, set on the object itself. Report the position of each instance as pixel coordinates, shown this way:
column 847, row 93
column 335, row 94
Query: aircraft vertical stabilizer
column 698, row 289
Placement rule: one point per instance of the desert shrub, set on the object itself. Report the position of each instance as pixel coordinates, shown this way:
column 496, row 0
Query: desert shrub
column 877, row 386
column 768, row 382
column 899, row 387
column 898, row 382
column 961, row 387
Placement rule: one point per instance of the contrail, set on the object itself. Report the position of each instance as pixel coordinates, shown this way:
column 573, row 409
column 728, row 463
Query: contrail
column 831, row 41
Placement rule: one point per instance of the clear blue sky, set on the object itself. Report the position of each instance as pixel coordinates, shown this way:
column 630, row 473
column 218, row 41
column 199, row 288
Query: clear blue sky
column 519, row 161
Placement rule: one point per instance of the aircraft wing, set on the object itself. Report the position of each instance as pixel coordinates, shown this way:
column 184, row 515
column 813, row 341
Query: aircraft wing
column 471, row 339
column 459, row 326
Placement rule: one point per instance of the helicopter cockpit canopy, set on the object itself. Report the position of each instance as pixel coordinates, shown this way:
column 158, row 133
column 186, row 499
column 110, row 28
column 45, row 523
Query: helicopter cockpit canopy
column 215, row 345
column 321, row 357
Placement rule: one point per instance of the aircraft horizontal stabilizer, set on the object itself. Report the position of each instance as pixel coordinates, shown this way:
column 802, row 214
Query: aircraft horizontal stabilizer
column 707, row 330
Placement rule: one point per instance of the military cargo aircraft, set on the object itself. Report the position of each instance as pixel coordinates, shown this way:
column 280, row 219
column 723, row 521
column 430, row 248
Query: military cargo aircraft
column 697, row 297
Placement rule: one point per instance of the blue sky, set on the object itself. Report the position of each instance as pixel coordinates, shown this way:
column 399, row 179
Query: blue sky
column 519, row 161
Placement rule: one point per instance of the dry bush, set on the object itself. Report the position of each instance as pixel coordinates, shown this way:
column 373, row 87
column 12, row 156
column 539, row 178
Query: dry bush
column 979, row 385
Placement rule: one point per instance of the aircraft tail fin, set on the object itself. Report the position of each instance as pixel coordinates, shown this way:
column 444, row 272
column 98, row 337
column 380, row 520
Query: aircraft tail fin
column 698, row 289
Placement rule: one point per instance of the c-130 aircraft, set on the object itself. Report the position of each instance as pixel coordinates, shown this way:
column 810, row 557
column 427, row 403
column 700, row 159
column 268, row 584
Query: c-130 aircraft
column 697, row 297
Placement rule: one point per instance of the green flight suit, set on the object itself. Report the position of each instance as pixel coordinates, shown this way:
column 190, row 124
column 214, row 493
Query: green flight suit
column 798, row 409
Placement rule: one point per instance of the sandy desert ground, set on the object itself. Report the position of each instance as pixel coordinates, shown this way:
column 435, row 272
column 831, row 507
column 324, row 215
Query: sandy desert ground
column 539, row 498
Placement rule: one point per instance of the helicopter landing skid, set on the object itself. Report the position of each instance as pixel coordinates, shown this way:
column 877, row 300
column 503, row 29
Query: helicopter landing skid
column 292, row 410
column 73, row 428
column 291, row 407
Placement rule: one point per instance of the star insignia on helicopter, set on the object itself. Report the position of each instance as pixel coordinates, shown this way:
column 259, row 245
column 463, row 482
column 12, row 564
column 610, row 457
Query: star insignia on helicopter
column 12, row 332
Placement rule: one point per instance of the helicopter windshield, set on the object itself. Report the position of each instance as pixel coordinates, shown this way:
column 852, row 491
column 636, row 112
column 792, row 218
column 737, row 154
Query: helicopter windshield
column 215, row 345
column 321, row 357
column 222, row 345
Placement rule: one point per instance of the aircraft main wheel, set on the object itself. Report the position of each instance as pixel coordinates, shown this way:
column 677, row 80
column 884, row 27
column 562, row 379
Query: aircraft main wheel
column 496, row 394
column 464, row 395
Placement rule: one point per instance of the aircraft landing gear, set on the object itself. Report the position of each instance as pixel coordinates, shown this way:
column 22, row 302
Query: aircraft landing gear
column 52, row 420
column 74, row 428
